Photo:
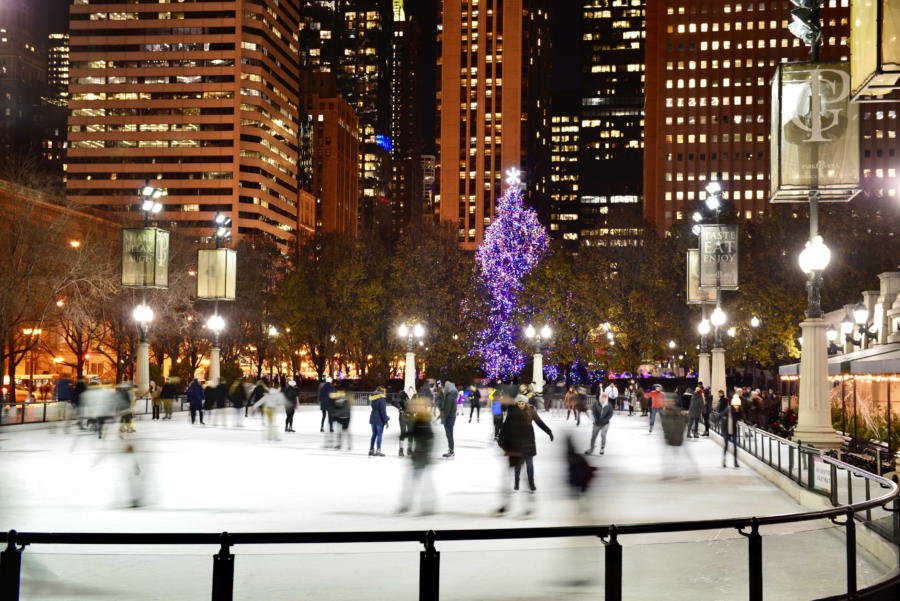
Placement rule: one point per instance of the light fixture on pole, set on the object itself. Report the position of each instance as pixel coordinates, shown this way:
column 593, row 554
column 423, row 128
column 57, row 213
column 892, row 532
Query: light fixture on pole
column 754, row 322
column 410, row 335
column 831, row 334
column 540, row 339
column 217, row 281
column 861, row 317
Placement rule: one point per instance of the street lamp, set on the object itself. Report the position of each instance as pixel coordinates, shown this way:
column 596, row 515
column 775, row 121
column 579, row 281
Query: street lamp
column 754, row 322
column 861, row 317
column 831, row 334
column 540, row 339
column 216, row 281
column 150, row 204
column 411, row 335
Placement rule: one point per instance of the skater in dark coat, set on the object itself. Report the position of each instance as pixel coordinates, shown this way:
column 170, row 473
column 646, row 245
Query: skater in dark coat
column 378, row 419
column 324, row 403
column 474, row 403
column 402, row 403
column 448, row 415
column 517, row 441
column 195, row 398
column 291, row 392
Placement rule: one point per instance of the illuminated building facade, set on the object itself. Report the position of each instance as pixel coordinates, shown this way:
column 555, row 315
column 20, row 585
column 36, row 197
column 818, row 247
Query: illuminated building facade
column 565, row 170
column 709, row 68
column 612, row 119
column 335, row 154
column 493, row 108
column 22, row 80
column 200, row 99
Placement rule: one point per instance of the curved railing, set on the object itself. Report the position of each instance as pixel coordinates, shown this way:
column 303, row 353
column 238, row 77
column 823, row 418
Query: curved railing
column 847, row 515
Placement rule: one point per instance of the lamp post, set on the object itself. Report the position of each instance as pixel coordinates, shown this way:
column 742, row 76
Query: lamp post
column 216, row 279
column 703, row 372
column 814, row 416
column 143, row 315
column 861, row 317
column 539, row 339
column 410, row 334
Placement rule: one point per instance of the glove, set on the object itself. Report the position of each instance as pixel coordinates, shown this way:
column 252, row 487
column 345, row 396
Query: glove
column 551, row 437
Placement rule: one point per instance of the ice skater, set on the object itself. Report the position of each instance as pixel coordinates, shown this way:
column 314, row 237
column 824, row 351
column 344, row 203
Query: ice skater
column 602, row 412
column 268, row 403
column 421, row 437
column 291, row 392
column 474, row 403
column 324, row 403
column 195, row 398
column 448, row 415
column 517, row 441
column 168, row 394
column 378, row 419
column 404, row 417
column 340, row 414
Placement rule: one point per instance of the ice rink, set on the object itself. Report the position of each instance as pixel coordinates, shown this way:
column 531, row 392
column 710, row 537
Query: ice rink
column 212, row 479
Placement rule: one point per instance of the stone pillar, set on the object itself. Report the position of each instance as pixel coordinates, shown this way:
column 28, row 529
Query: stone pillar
column 409, row 374
column 142, row 368
column 214, row 365
column 717, row 375
column 814, row 412
column 537, row 376
column 703, row 373
column 890, row 286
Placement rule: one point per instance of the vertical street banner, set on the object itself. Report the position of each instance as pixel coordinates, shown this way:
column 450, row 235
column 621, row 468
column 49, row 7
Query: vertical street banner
column 695, row 294
column 815, row 133
column 216, row 273
column 719, row 257
column 145, row 258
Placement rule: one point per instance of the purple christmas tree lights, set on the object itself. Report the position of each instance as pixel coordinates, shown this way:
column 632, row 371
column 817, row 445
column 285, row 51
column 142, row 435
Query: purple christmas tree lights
column 513, row 245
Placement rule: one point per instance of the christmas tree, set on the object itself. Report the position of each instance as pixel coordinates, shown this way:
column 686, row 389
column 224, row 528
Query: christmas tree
column 513, row 245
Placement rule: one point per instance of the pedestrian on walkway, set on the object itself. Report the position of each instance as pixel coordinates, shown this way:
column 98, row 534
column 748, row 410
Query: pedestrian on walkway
column 695, row 410
column 657, row 402
column 168, row 394
column 730, row 428
column 707, row 409
column 602, row 412
column 448, row 415
column 517, row 442
column 325, row 391
column 195, row 399
column 474, row 403
column 291, row 392
column 378, row 419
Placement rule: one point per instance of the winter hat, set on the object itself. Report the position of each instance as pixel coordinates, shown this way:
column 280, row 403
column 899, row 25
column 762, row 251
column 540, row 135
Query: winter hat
column 291, row 383
column 657, row 386
column 328, row 378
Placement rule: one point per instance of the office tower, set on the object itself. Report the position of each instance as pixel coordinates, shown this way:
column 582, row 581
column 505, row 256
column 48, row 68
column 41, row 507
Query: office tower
column 200, row 100
column 22, row 80
column 408, row 183
column 493, row 102
column 709, row 71
column 565, row 169
column 335, row 154
column 55, row 104
column 429, row 168
column 58, row 64
column 612, row 99
column 352, row 40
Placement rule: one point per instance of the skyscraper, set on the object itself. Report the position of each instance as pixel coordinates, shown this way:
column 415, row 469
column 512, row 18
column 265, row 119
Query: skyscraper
column 493, row 105
column 612, row 99
column 54, row 105
column 407, row 193
column 201, row 100
column 22, row 80
column 565, row 169
column 709, row 70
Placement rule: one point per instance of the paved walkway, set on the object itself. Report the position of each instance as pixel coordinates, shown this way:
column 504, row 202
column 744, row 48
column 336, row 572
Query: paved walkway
column 228, row 478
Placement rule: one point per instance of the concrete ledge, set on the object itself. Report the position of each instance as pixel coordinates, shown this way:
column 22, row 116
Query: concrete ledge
column 872, row 542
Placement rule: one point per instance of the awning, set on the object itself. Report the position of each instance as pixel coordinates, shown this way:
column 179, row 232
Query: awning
column 882, row 359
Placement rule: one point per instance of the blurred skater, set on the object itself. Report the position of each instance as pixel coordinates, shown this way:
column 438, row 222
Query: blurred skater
column 324, row 402
column 268, row 403
column 730, row 416
column 378, row 419
column 448, row 415
column 497, row 411
column 404, row 418
column 421, row 437
column 517, row 441
column 695, row 412
column 168, row 394
column 340, row 414
column 580, row 474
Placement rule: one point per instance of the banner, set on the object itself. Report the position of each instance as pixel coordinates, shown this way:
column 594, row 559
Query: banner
column 719, row 257
column 695, row 294
column 815, row 133
column 145, row 258
column 874, row 52
column 216, row 273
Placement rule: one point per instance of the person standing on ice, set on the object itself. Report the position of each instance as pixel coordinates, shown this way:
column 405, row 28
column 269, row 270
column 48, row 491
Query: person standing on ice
column 401, row 402
column 474, row 403
column 195, row 398
column 340, row 413
column 168, row 394
column 602, row 412
column 268, row 403
column 291, row 392
column 517, row 441
column 378, row 419
column 448, row 414
column 324, row 402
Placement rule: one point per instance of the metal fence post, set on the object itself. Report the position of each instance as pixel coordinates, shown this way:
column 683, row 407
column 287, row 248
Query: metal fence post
column 10, row 569
column 613, row 557
column 851, row 554
column 756, row 564
column 810, row 471
column 834, row 485
column 223, row 572
column 429, row 570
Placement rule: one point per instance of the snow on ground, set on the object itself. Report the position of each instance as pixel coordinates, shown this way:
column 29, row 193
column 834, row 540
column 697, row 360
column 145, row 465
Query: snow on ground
column 212, row 479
